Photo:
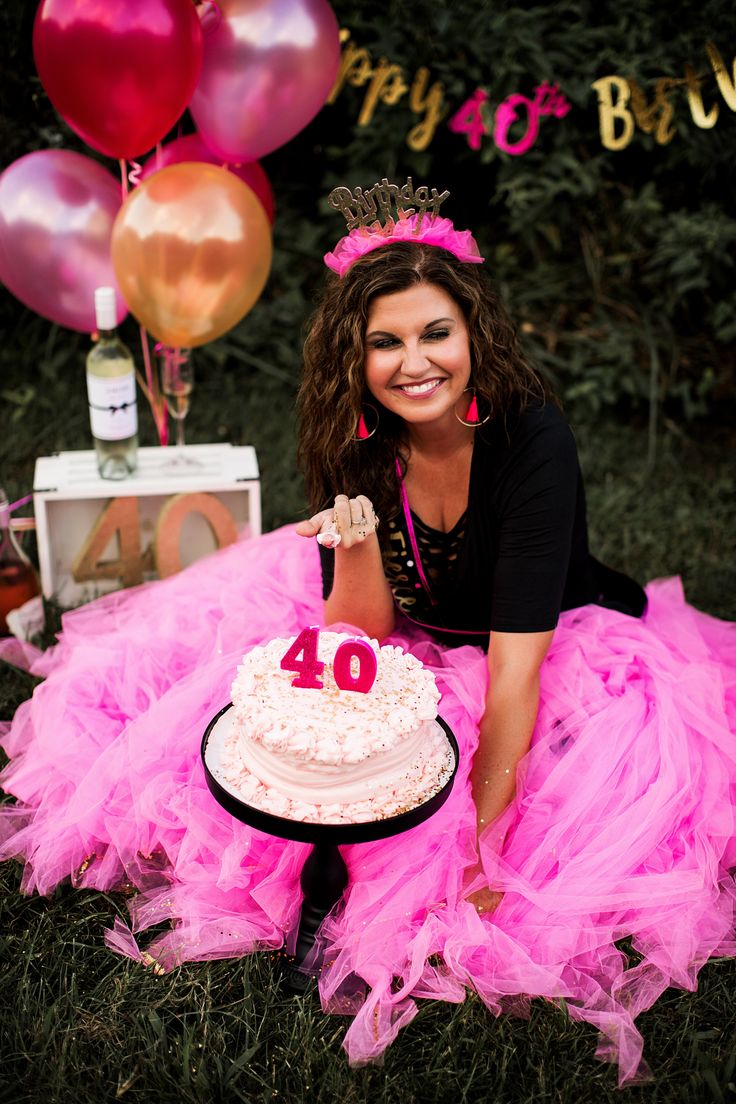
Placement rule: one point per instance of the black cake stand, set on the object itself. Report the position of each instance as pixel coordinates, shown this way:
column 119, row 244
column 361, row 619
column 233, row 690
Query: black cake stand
column 324, row 874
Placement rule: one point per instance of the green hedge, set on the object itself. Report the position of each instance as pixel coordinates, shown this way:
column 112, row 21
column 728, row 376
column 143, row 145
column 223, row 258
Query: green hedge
column 618, row 265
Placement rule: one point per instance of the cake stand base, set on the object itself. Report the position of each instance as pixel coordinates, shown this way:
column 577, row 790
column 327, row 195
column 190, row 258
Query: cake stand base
column 324, row 874
column 323, row 879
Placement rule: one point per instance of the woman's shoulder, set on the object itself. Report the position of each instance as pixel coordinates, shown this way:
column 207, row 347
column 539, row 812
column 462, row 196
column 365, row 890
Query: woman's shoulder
column 537, row 425
column 539, row 415
column 530, row 452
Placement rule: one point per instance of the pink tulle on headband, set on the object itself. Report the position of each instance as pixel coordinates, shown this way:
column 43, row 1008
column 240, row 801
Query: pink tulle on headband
column 433, row 230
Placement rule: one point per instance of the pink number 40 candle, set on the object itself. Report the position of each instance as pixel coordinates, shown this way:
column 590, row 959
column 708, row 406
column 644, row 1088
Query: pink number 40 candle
column 309, row 667
column 367, row 666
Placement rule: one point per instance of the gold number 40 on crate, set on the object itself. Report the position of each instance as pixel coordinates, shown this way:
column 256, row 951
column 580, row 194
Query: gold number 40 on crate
column 94, row 537
column 121, row 519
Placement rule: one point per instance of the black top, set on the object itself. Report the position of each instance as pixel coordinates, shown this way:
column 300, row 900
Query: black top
column 519, row 554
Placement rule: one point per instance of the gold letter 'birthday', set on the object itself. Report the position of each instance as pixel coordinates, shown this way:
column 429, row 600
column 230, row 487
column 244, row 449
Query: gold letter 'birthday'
column 631, row 107
column 364, row 208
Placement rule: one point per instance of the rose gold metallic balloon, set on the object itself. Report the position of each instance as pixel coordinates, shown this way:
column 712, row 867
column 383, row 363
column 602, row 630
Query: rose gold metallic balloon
column 267, row 69
column 191, row 249
column 57, row 210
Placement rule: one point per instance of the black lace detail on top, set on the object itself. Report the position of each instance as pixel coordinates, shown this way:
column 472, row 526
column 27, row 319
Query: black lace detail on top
column 438, row 552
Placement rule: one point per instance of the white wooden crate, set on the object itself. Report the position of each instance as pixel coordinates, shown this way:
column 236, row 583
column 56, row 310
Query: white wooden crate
column 96, row 535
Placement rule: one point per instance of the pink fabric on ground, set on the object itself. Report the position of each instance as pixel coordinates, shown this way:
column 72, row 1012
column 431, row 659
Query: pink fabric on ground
column 624, row 823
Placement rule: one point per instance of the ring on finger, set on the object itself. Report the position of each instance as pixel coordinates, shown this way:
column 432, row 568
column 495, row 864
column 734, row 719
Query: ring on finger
column 329, row 539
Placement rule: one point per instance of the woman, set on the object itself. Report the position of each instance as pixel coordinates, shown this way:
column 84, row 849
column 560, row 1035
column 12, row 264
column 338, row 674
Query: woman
column 623, row 825
column 413, row 333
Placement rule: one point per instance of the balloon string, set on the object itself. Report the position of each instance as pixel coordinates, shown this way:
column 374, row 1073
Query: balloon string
column 21, row 502
column 151, row 391
column 123, row 178
column 147, row 385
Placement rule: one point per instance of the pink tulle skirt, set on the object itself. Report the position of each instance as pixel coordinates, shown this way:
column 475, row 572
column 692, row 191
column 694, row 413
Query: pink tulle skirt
column 624, row 824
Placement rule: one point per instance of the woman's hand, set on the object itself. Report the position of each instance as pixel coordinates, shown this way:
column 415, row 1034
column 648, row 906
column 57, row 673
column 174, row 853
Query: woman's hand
column 485, row 899
column 350, row 521
column 360, row 594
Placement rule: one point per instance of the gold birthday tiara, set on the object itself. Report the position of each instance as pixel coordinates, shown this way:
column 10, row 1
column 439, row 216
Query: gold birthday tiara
column 363, row 210
column 366, row 207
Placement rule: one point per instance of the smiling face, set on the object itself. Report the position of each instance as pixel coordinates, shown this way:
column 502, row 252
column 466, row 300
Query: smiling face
column 417, row 354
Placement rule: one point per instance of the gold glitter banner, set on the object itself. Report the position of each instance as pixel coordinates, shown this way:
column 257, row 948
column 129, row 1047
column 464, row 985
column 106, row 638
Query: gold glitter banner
column 623, row 104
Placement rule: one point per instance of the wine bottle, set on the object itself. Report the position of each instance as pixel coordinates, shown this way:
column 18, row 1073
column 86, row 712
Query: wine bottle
column 18, row 579
column 111, row 393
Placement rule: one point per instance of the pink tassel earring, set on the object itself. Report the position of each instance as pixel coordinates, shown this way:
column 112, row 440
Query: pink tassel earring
column 472, row 418
column 363, row 432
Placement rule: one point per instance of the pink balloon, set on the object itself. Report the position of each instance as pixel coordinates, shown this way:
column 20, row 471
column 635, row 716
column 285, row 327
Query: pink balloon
column 121, row 72
column 57, row 209
column 267, row 70
column 192, row 148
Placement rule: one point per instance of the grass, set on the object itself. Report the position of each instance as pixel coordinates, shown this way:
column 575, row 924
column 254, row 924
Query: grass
column 676, row 518
column 84, row 1025
column 80, row 1024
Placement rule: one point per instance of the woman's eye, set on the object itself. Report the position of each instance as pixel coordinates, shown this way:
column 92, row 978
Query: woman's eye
column 392, row 342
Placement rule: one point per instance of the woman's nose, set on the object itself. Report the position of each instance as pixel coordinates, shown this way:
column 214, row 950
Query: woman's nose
column 415, row 361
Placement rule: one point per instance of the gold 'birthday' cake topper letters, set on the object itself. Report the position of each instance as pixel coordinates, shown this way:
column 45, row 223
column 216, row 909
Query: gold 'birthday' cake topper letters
column 368, row 207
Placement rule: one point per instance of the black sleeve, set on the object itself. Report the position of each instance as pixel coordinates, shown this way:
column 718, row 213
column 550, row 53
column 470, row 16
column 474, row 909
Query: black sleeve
column 536, row 503
column 327, row 564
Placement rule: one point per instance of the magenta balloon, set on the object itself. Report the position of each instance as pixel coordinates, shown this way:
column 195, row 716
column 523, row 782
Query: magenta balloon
column 57, row 209
column 267, row 70
column 192, row 148
column 121, row 72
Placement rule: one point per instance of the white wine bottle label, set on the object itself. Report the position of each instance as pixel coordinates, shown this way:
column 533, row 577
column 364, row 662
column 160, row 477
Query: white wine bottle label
column 112, row 406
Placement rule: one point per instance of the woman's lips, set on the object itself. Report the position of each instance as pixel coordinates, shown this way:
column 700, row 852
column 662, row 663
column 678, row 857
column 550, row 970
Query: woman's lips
column 419, row 390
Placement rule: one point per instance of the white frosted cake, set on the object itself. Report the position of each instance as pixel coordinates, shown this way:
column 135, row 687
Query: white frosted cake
column 331, row 755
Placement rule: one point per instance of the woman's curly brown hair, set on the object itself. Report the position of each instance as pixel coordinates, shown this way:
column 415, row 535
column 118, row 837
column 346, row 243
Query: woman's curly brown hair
column 333, row 383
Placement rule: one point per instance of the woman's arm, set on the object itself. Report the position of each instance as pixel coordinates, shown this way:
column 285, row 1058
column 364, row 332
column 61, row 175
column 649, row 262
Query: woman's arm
column 538, row 497
column 360, row 592
column 512, row 700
